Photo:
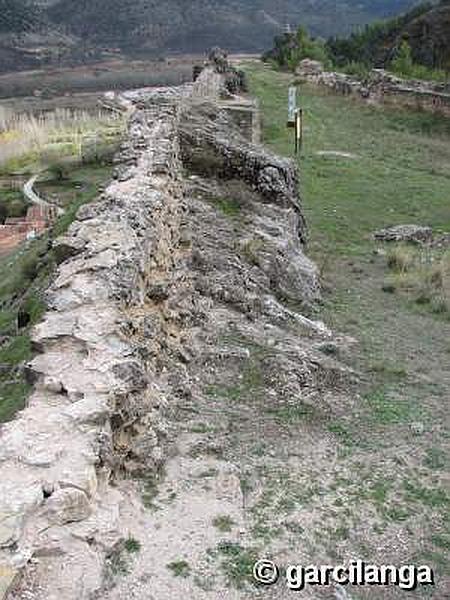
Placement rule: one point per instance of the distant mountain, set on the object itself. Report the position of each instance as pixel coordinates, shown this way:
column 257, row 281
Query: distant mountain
column 193, row 25
column 49, row 31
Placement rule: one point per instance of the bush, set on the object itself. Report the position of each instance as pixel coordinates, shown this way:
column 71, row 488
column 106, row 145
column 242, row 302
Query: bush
column 403, row 62
column 423, row 274
column 401, row 258
column 17, row 208
column 404, row 66
column 359, row 70
column 30, row 268
column 59, row 171
column 291, row 48
column 102, row 154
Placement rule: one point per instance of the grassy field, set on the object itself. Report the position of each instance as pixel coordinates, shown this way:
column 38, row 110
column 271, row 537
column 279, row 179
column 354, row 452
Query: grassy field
column 390, row 483
column 24, row 276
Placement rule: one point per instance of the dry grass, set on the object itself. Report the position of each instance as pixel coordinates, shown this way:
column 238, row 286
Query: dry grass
column 26, row 139
column 424, row 274
column 401, row 258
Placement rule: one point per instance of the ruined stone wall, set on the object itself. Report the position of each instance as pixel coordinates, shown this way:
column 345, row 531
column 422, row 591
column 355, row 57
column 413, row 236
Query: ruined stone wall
column 119, row 343
column 382, row 88
column 426, row 100
column 94, row 411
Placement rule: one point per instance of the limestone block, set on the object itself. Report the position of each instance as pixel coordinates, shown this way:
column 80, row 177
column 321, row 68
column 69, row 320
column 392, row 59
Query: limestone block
column 90, row 410
column 67, row 506
column 16, row 502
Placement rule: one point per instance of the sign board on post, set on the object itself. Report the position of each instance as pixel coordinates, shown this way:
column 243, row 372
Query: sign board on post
column 292, row 106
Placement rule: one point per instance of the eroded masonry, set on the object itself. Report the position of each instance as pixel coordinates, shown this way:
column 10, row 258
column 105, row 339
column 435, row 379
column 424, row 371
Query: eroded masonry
column 187, row 277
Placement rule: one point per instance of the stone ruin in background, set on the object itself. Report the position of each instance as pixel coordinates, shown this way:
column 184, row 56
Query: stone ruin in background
column 381, row 87
column 234, row 80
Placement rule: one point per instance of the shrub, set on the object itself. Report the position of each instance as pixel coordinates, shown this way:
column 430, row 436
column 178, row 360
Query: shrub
column 180, row 568
column 132, row 545
column 403, row 62
column 291, row 48
column 17, row 208
column 59, row 171
column 102, row 154
column 401, row 258
column 359, row 70
column 30, row 268
column 404, row 66
column 424, row 274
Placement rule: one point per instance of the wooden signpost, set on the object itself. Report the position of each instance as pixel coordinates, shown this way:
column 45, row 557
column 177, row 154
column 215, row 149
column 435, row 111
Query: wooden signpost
column 295, row 118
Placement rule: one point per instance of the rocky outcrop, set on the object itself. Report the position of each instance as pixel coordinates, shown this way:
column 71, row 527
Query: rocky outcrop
column 199, row 236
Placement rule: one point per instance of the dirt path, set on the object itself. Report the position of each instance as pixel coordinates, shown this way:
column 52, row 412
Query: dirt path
column 34, row 198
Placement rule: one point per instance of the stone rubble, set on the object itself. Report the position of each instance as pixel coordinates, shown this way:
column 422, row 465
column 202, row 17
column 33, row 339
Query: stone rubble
column 418, row 234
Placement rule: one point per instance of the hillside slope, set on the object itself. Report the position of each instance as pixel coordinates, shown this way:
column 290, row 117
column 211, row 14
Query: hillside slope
column 429, row 37
column 88, row 28
column 426, row 28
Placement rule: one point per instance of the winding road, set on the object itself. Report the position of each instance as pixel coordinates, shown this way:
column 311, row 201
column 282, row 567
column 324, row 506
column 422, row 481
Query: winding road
column 34, row 198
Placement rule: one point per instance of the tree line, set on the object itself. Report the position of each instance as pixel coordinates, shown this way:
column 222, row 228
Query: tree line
column 382, row 44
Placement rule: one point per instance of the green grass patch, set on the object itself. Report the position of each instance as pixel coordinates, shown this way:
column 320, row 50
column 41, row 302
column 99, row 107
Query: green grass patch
column 238, row 564
column 132, row 545
column 387, row 410
column 24, row 275
column 223, row 523
column 228, row 206
column 435, row 498
column 346, row 200
column 17, row 351
column 435, row 459
column 13, row 398
column 342, row 433
column 441, row 540
column 293, row 414
column 12, row 204
column 180, row 568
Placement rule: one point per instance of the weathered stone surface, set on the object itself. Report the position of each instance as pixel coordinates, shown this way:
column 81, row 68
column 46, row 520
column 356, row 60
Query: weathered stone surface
column 59, row 453
column 309, row 67
column 218, row 77
column 67, row 506
column 269, row 192
column 16, row 502
column 89, row 411
column 442, row 241
column 405, row 233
